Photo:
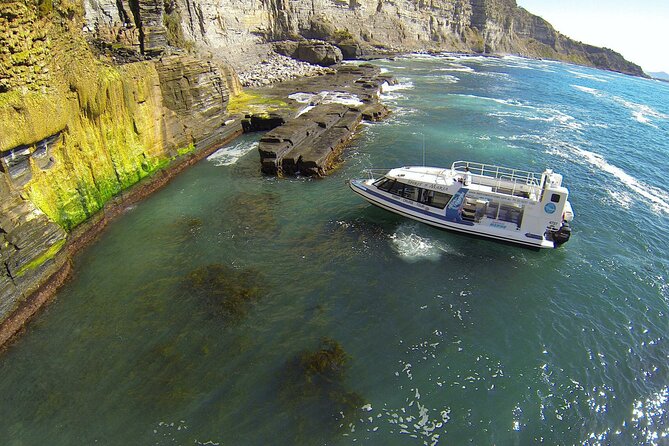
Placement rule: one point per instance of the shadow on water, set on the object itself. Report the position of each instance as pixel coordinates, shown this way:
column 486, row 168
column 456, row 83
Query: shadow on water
column 313, row 390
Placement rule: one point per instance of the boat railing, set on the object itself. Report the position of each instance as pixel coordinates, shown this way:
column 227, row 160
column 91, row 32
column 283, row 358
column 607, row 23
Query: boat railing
column 375, row 173
column 512, row 181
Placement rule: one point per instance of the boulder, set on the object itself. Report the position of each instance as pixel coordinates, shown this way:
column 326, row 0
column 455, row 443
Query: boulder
column 350, row 49
column 286, row 48
column 318, row 52
column 374, row 112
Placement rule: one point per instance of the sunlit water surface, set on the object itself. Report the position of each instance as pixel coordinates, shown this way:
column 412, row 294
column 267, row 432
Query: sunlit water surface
column 447, row 339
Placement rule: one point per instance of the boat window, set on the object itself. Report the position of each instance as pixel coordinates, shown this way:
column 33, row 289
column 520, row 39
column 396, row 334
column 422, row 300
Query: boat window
column 397, row 188
column 511, row 214
column 410, row 192
column 438, row 199
column 555, row 198
column 384, row 183
column 491, row 210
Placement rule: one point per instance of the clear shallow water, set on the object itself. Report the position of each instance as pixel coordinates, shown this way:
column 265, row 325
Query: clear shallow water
column 450, row 339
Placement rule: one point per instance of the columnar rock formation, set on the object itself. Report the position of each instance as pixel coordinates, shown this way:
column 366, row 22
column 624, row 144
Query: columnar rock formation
column 76, row 130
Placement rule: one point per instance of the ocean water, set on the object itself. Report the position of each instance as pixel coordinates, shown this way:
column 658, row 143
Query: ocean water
column 191, row 320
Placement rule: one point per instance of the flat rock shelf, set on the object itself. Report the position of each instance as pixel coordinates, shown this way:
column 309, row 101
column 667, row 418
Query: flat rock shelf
column 310, row 142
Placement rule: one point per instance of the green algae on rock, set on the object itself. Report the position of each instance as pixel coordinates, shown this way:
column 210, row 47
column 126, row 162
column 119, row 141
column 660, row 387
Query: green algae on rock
column 77, row 130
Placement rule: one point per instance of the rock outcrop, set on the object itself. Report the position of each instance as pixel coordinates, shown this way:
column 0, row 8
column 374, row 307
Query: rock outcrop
column 317, row 52
column 333, row 106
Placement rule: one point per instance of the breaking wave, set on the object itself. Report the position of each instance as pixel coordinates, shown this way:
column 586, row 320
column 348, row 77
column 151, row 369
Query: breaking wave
column 658, row 198
column 587, row 76
column 326, row 97
column 641, row 113
column 229, row 155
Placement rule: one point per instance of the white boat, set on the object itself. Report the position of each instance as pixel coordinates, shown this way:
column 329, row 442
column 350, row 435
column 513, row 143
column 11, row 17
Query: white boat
column 496, row 202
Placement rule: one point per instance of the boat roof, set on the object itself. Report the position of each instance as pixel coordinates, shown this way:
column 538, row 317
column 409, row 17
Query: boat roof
column 430, row 175
column 482, row 177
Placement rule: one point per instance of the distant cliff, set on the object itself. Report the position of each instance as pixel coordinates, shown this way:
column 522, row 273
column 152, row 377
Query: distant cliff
column 232, row 29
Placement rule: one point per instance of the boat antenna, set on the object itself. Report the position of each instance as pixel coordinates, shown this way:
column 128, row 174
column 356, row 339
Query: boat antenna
column 423, row 134
column 423, row 148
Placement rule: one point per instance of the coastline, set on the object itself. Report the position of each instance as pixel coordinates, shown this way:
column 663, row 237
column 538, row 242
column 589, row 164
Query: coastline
column 60, row 267
column 361, row 83
column 88, row 232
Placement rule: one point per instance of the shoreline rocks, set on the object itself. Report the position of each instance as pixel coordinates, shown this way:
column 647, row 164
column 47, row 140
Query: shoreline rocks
column 278, row 68
column 310, row 143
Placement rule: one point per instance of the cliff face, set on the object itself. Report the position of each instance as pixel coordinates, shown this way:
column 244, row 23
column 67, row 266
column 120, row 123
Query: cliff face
column 76, row 130
column 232, row 29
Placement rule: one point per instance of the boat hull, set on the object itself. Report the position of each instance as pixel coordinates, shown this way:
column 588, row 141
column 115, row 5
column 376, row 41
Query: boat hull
column 439, row 220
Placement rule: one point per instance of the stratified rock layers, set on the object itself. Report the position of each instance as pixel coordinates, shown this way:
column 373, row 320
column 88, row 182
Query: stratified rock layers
column 233, row 29
column 81, row 131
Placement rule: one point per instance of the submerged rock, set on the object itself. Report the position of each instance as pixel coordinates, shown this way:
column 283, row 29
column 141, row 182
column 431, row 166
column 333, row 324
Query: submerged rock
column 314, row 385
column 327, row 363
column 225, row 291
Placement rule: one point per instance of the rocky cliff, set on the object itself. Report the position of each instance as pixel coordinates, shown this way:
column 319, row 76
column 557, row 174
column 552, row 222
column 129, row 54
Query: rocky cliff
column 77, row 129
column 236, row 29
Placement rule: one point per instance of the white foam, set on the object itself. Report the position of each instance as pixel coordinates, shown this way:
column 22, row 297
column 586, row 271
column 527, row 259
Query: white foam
column 458, row 68
column 327, row 97
column 401, row 85
column 412, row 247
column 641, row 113
column 658, row 198
column 302, row 98
column 421, row 56
column 338, row 97
column 621, row 198
column 391, row 93
column 509, row 102
column 587, row 76
column 592, row 91
column 493, row 74
column 531, row 113
column 445, row 78
column 229, row 155
column 551, row 116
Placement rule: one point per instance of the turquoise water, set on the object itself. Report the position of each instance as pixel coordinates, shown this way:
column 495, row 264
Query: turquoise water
column 447, row 339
